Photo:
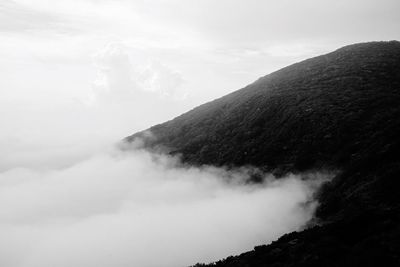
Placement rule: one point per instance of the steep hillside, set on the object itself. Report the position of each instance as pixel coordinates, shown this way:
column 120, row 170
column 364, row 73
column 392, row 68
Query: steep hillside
column 340, row 110
column 319, row 111
column 371, row 240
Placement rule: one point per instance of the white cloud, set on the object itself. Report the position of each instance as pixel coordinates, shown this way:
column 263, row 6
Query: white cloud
column 157, row 77
column 120, row 77
column 15, row 17
column 121, row 209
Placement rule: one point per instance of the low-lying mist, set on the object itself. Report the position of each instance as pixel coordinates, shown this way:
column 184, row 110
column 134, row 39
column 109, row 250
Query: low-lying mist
column 133, row 208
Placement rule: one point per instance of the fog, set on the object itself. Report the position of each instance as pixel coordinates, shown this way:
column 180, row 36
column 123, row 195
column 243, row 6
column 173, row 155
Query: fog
column 134, row 208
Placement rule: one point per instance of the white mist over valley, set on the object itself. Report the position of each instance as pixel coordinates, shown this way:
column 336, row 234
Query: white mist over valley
column 116, row 208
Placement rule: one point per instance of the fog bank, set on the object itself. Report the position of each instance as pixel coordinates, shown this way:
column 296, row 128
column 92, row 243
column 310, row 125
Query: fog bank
column 114, row 208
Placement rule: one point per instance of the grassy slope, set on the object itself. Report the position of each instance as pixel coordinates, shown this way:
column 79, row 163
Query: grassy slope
column 339, row 110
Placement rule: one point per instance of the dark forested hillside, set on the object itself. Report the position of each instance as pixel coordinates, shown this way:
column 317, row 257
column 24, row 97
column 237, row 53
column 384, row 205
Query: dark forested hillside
column 321, row 110
column 340, row 110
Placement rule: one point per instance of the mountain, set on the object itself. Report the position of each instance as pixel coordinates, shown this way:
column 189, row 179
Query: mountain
column 336, row 111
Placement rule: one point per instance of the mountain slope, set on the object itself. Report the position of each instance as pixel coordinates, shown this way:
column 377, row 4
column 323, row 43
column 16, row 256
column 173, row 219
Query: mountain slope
column 314, row 112
column 372, row 240
column 340, row 110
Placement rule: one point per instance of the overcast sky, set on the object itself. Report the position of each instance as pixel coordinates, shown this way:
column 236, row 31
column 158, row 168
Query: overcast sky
column 86, row 69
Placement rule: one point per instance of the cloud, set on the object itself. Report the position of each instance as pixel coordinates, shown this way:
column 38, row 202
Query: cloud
column 135, row 208
column 115, row 76
column 158, row 77
column 17, row 17
column 119, row 78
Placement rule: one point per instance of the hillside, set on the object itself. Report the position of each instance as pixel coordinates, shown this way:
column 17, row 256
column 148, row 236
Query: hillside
column 340, row 110
column 315, row 111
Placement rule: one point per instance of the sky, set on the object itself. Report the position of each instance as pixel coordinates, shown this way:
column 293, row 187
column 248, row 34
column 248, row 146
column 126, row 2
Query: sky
column 77, row 76
column 97, row 69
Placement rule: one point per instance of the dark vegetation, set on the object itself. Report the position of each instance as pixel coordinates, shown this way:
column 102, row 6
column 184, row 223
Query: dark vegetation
column 336, row 111
column 365, row 240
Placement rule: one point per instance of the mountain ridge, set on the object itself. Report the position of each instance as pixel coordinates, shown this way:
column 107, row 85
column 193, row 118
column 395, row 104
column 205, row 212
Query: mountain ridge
column 179, row 136
column 340, row 110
